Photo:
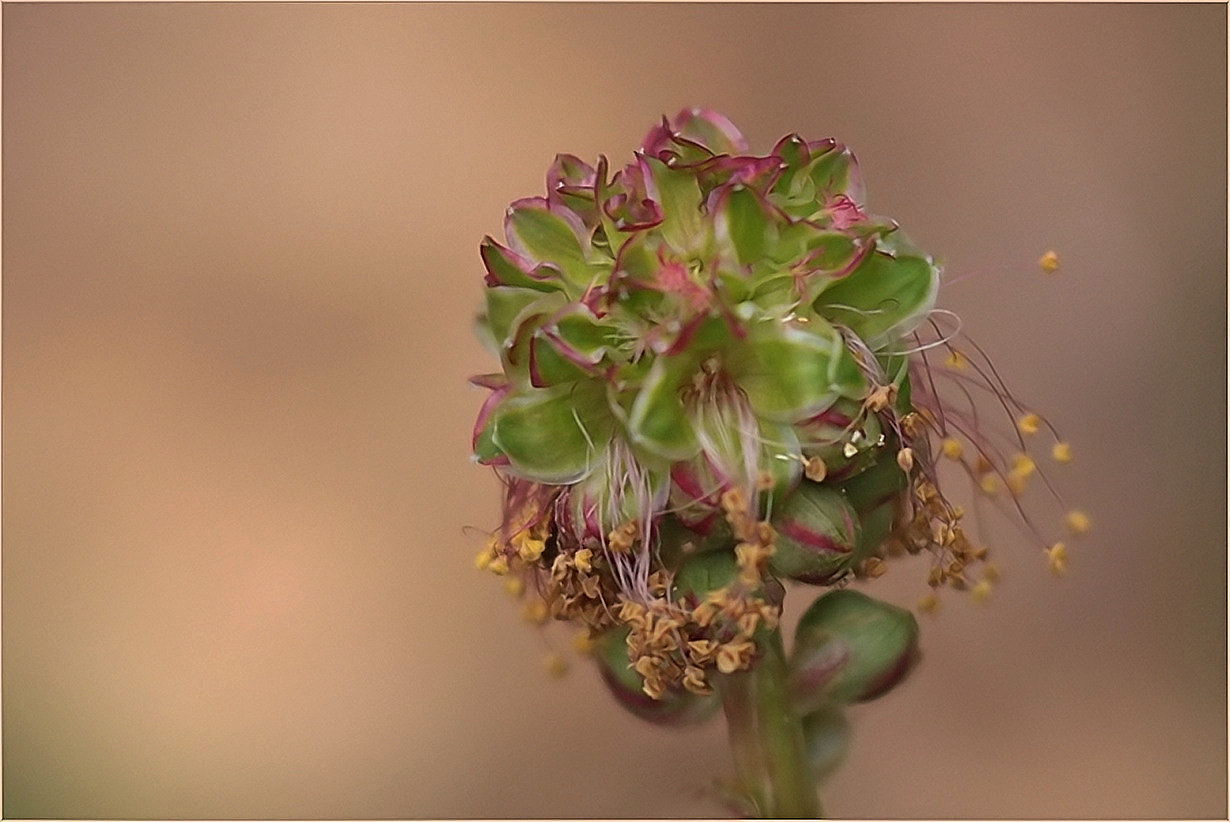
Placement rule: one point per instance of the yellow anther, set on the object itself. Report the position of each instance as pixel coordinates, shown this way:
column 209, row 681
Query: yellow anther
column 583, row 560
column 1061, row 452
column 929, row 604
column 1049, row 262
column 530, row 549
column 1029, row 423
column 734, row 656
column 1057, row 558
column 631, row 612
column 702, row 650
column 623, row 538
column 515, row 586
column 498, row 565
column 882, row 397
column 990, row 572
column 646, row 666
column 981, row 591
column 753, row 558
column 555, row 665
column 1016, row 484
column 704, row 614
column 1023, row 465
column 483, row 559
column 583, row 643
column 952, row 448
column 905, row 459
column 956, row 361
column 1078, row 521
column 873, row 568
column 815, row 469
column 990, row 485
column 694, row 680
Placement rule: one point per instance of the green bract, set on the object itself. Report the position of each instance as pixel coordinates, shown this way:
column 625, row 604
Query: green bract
column 706, row 314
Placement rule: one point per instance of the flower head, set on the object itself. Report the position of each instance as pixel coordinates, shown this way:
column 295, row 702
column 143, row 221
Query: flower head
column 714, row 374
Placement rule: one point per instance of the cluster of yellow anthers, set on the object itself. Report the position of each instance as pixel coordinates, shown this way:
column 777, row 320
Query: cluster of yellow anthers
column 678, row 642
column 674, row 639
column 932, row 523
column 935, row 523
column 575, row 586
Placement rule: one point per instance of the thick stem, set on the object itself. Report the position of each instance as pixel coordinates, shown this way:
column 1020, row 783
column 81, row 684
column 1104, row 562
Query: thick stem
column 766, row 737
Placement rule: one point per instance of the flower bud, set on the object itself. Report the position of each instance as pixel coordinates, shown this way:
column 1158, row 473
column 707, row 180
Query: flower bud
column 817, row 534
column 849, row 647
column 676, row 707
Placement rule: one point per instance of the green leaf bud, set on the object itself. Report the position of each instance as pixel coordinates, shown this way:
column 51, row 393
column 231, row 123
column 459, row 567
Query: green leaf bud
column 850, row 647
column 817, row 535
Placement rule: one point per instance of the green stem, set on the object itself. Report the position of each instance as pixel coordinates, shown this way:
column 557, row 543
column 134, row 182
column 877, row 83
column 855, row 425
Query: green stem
column 766, row 737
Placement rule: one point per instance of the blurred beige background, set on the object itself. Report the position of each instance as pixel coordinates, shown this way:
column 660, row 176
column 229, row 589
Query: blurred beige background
column 240, row 266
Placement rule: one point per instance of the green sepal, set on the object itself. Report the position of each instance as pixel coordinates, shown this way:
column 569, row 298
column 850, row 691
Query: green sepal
column 638, row 259
column 793, row 185
column 571, row 346
column 779, row 449
column 788, row 373
column 830, row 250
column 877, row 525
column 833, row 173
column 550, row 366
column 658, row 421
column 677, row 542
column 743, row 219
column 505, row 306
column 881, row 482
column 554, row 435
column 586, row 333
column 548, row 238
column 680, row 199
column 883, row 298
column 485, row 449
column 503, row 267
column 703, row 573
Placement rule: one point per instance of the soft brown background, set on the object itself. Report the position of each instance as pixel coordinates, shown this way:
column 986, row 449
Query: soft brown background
column 240, row 266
